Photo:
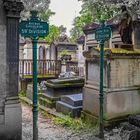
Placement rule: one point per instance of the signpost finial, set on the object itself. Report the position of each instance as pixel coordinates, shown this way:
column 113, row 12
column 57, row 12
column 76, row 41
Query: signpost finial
column 34, row 14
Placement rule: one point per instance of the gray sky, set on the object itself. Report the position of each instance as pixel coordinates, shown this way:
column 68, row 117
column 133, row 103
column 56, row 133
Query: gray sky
column 65, row 11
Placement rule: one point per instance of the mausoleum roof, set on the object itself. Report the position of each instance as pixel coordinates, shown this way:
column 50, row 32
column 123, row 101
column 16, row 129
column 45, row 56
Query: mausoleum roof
column 89, row 28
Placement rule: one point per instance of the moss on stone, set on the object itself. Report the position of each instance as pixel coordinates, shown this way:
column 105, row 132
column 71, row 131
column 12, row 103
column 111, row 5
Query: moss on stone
column 39, row 76
column 47, row 103
column 69, row 82
column 119, row 51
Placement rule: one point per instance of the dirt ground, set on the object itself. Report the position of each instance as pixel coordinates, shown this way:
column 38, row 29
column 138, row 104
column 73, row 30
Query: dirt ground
column 48, row 130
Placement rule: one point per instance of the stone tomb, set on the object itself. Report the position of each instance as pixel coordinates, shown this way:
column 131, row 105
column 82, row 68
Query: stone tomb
column 59, row 87
column 121, row 84
column 70, row 105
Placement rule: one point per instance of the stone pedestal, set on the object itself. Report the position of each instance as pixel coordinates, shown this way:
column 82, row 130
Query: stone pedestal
column 13, row 118
column 121, row 84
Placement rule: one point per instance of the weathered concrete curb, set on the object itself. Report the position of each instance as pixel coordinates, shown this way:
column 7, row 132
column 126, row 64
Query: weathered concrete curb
column 48, row 110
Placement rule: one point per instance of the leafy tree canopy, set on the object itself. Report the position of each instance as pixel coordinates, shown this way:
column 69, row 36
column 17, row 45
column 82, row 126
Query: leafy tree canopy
column 39, row 5
column 53, row 33
column 96, row 10
column 62, row 30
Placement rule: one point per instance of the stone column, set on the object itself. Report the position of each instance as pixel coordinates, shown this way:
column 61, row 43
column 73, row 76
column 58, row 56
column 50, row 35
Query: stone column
column 13, row 9
column 12, row 109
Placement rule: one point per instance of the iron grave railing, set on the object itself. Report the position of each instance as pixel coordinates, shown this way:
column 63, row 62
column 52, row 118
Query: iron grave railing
column 45, row 68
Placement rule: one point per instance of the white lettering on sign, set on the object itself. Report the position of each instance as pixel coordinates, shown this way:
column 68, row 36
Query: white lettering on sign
column 24, row 31
column 37, row 31
column 34, row 25
column 103, row 34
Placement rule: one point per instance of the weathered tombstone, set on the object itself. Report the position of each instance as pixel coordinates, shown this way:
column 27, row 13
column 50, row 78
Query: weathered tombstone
column 70, row 105
column 10, row 109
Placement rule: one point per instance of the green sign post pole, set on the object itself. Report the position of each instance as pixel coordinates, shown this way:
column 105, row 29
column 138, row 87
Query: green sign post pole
column 34, row 28
column 102, row 34
column 35, row 94
column 101, row 98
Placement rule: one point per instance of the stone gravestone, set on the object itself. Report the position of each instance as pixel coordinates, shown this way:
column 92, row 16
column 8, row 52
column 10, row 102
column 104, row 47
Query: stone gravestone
column 70, row 105
column 10, row 109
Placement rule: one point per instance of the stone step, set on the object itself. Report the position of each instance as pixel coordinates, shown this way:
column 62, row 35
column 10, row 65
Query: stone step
column 49, row 97
column 73, row 100
column 68, row 109
column 46, row 102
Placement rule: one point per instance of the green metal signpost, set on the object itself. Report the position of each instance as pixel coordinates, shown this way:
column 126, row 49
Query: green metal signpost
column 102, row 34
column 34, row 28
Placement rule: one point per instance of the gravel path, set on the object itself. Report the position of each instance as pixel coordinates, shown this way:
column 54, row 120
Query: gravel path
column 48, row 130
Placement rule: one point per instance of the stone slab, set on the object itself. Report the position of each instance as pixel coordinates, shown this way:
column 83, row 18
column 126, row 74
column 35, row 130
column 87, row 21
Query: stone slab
column 68, row 109
column 58, row 92
column 74, row 100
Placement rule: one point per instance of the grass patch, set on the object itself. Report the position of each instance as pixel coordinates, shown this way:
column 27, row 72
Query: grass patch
column 45, row 114
column 21, row 94
column 76, row 124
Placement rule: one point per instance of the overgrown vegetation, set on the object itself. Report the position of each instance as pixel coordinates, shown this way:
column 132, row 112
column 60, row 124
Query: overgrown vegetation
column 22, row 94
column 76, row 124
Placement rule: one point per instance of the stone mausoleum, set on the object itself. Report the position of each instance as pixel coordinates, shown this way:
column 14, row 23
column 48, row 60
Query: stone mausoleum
column 121, row 76
column 10, row 109
column 121, row 83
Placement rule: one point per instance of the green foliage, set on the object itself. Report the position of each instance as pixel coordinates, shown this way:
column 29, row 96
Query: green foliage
column 62, row 30
column 70, row 122
column 22, row 94
column 79, row 22
column 39, row 5
column 45, row 15
column 44, row 114
column 92, row 11
column 64, row 52
column 53, row 33
column 98, row 9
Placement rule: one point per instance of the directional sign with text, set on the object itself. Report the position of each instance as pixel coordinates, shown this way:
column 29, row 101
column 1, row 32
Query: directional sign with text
column 35, row 28
column 103, row 33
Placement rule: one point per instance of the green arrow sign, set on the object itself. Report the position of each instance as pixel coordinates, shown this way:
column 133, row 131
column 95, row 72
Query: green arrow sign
column 103, row 33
